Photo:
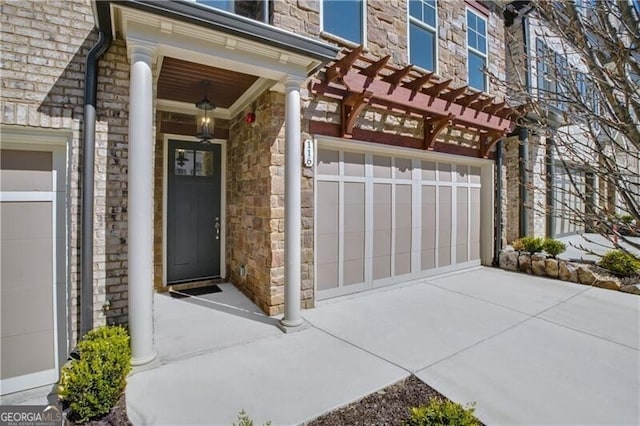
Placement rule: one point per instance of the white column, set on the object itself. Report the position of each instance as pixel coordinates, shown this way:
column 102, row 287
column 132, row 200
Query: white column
column 292, row 206
column 141, row 56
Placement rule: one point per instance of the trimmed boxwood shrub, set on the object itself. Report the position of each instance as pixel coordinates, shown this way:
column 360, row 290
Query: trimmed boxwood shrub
column 532, row 244
column 620, row 263
column 553, row 247
column 91, row 385
column 442, row 412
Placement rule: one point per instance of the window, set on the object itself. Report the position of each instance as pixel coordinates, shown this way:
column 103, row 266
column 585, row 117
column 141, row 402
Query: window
column 254, row 9
column 422, row 33
column 476, row 50
column 344, row 18
column 553, row 76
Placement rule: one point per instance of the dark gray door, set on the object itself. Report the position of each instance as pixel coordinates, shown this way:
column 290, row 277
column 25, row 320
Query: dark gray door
column 193, row 211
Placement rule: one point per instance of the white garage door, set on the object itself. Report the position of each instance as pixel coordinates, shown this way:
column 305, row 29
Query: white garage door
column 384, row 219
column 28, row 223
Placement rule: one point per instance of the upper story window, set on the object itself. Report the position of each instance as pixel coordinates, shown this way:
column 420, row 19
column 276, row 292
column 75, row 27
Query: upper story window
column 552, row 70
column 476, row 50
column 423, row 17
column 254, row 9
column 344, row 18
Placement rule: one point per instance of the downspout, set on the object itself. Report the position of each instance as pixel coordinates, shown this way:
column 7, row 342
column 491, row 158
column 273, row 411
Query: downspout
column 497, row 243
column 523, row 165
column 88, row 163
column 549, row 174
column 523, row 151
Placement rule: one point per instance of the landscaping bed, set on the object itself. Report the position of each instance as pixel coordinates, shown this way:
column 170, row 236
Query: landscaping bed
column 388, row 406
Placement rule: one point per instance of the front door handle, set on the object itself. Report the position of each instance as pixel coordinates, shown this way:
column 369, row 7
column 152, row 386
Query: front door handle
column 217, row 225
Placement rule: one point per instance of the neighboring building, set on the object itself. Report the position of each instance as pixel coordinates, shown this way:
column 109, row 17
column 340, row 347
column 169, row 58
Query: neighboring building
column 332, row 166
column 555, row 179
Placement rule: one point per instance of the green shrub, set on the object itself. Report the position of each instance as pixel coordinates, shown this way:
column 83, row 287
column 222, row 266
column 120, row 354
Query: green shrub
column 91, row 385
column 441, row 413
column 620, row 263
column 553, row 247
column 532, row 244
column 626, row 219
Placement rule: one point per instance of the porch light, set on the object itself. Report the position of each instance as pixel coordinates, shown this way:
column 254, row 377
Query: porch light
column 205, row 123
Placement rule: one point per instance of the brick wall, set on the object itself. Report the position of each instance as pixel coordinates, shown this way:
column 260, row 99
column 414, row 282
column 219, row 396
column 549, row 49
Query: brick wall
column 44, row 47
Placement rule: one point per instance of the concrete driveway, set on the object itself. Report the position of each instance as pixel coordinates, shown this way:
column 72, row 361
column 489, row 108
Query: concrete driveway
column 526, row 350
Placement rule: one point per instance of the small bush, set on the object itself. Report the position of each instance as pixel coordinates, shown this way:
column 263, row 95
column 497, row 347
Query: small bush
column 518, row 245
column 620, row 263
column 90, row 386
column 553, row 247
column 626, row 219
column 532, row 244
column 440, row 413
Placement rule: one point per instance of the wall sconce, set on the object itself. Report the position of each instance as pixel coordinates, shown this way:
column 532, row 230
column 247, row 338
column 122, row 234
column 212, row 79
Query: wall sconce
column 205, row 122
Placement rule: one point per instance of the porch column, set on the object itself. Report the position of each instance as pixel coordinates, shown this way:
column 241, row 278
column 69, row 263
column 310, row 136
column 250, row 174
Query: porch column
column 142, row 55
column 292, row 206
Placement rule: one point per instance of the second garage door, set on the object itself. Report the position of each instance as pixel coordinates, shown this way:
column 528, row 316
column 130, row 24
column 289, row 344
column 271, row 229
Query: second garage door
column 382, row 219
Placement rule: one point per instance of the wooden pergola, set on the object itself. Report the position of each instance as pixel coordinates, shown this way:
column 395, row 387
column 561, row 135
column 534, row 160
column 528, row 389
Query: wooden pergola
column 358, row 82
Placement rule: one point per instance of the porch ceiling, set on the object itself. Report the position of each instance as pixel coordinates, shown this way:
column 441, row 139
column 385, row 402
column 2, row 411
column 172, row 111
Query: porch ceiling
column 181, row 81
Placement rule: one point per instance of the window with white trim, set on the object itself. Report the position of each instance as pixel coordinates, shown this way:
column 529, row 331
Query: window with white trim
column 423, row 33
column 476, row 50
column 344, row 18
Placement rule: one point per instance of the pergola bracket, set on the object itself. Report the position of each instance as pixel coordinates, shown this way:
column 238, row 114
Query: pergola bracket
column 352, row 105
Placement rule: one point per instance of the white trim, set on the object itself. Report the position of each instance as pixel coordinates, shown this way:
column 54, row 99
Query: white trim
column 337, row 37
column 436, row 37
column 223, row 199
column 29, row 381
column 24, row 196
column 468, row 48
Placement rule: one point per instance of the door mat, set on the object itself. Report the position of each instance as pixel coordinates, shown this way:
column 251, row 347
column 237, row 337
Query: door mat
column 180, row 294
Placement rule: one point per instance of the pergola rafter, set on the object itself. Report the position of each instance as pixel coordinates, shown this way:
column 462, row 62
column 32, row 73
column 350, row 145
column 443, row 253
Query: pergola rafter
column 358, row 81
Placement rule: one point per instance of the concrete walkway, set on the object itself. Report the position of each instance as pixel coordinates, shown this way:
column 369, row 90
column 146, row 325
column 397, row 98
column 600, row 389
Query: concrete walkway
column 526, row 350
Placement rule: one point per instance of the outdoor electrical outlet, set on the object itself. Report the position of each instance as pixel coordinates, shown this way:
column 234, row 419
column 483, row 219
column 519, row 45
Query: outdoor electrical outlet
column 243, row 270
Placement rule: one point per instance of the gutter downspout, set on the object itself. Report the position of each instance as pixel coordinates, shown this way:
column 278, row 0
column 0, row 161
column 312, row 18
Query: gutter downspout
column 88, row 164
column 549, row 174
column 497, row 243
column 523, row 151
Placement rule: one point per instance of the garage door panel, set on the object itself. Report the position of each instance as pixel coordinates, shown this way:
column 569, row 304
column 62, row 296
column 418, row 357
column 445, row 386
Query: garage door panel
column 381, row 166
column 428, row 231
column 27, row 353
column 327, row 275
column 327, row 207
column 474, row 224
column 25, row 220
column 353, row 164
column 328, row 248
column 403, row 168
column 26, row 310
column 462, row 227
column 428, row 171
column 444, row 225
column 353, row 271
column 328, row 162
column 25, row 262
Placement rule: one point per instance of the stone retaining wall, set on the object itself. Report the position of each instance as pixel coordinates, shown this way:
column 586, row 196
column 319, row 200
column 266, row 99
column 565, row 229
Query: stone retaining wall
column 581, row 273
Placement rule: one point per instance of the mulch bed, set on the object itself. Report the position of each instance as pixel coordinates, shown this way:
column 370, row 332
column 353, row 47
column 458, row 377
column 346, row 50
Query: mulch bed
column 388, row 406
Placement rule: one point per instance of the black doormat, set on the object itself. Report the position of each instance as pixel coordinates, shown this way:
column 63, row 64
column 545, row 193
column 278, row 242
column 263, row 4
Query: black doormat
column 180, row 294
